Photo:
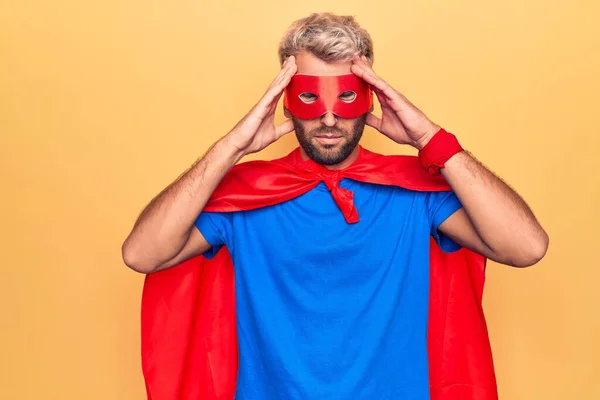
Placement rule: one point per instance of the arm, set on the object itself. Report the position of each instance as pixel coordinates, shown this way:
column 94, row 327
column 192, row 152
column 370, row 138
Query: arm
column 494, row 221
column 164, row 233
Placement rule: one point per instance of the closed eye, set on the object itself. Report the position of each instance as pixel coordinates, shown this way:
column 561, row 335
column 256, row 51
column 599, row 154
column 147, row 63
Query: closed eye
column 308, row 98
column 348, row 96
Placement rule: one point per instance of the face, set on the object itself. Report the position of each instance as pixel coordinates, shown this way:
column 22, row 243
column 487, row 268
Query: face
column 327, row 138
column 329, row 145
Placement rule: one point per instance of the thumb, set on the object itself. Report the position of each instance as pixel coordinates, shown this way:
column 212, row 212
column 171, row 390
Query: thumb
column 374, row 121
column 286, row 127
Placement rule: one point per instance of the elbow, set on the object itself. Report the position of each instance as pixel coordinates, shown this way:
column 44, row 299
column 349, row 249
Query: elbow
column 534, row 252
column 132, row 259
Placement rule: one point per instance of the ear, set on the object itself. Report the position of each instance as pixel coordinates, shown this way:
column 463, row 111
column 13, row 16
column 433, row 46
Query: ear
column 287, row 112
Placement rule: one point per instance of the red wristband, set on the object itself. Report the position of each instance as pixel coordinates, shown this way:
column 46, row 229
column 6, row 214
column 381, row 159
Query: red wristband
column 442, row 146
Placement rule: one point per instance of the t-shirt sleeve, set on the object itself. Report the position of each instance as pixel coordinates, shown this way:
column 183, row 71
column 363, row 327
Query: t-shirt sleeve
column 441, row 205
column 217, row 229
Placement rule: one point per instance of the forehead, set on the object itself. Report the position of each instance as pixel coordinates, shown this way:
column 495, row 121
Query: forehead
column 311, row 65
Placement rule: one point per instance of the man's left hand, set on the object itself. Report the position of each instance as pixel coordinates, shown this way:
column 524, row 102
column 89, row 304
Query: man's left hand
column 400, row 120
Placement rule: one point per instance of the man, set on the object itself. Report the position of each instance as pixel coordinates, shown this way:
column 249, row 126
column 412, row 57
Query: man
column 330, row 304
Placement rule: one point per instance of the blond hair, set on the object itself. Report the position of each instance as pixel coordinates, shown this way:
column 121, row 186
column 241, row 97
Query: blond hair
column 327, row 36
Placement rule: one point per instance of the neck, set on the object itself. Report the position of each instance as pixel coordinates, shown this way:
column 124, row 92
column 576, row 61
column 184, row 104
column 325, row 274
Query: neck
column 344, row 164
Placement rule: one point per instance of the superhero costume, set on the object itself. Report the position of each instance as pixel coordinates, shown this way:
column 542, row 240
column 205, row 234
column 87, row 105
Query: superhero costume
column 188, row 311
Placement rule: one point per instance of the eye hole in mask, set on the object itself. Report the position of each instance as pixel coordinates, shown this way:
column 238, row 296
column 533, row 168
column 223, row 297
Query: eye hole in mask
column 348, row 96
column 308, row 98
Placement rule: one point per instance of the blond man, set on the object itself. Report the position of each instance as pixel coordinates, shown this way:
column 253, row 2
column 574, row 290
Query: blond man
column 330, row 304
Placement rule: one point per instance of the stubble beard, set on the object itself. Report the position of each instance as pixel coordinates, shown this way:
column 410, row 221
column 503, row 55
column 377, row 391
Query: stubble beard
column 331, row 154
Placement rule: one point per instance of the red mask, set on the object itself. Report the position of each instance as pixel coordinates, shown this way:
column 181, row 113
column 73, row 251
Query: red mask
column 327, row 90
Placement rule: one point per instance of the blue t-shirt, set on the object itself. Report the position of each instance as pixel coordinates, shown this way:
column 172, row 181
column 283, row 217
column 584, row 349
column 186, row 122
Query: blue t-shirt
column 328, row 310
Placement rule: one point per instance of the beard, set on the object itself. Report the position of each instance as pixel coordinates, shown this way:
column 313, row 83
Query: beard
column 330, row 154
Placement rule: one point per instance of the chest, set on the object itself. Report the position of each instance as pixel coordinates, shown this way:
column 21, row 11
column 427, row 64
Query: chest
column 310, row 236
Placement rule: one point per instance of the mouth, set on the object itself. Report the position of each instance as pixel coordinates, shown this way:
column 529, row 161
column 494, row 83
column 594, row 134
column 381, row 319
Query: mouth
column 328, row 139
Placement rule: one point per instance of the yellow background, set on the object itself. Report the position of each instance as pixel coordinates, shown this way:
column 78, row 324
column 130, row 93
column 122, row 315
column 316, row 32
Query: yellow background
column 104, row 103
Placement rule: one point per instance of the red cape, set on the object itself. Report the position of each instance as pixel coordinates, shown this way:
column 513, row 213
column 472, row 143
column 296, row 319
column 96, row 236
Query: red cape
column 189, row 342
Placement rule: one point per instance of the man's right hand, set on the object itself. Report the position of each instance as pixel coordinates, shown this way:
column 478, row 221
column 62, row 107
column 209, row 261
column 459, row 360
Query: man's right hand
column 257, row 129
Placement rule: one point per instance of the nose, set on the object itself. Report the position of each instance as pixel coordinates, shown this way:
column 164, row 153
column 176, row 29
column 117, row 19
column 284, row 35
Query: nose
column 329, row 119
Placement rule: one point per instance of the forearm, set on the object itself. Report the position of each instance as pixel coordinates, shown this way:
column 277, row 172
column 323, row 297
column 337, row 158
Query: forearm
column 163, row 227
column 494, row 219
column 503, row 221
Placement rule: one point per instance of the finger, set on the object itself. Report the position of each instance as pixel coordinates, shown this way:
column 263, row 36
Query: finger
column 367, row 74
column 362, row 62
column 291, row 59
column 274, row 95
column 276, row 89
column 289, row 71
column 285, row 68
column 285, row 65
column 393, row 98
column 273, row 105
column 268, row 103
column 381, row 97
column 284, row 80
column 286, row 127
column 289, row 64
column 373, row 121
